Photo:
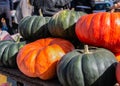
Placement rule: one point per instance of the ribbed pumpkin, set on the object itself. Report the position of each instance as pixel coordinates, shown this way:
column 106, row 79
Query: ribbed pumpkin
column 34, row 27
column 100, row 29
column 62, row 24
column 39, row 58
column 84, row 68
column 8, row 52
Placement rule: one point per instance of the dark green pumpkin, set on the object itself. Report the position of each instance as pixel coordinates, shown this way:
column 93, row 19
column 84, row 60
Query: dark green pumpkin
column 34, row 27
column 8, row 52
column 62, row 24
column 95, row 68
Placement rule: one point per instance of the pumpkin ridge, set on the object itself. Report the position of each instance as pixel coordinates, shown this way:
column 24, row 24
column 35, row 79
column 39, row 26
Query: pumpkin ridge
column 51, row 59
column 27, row 60
column 5, row 54
column 77, row 65
column 21, row 25
column 63, row 64
column 12, row 54
column 31, row 19
column 35, row 25
column 2, row 50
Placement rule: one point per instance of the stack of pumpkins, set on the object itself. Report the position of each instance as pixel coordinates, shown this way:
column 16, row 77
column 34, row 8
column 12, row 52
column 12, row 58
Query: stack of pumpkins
column 51, row 50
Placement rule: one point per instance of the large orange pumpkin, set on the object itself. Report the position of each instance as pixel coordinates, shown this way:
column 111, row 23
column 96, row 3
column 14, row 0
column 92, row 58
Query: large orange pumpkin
column 39, row 58
column 101, row 30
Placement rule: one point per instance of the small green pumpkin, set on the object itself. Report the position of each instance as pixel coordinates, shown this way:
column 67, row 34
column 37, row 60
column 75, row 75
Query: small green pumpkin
column 8, row 52
column 62, row 24
column 34, row 27
column 95, row 68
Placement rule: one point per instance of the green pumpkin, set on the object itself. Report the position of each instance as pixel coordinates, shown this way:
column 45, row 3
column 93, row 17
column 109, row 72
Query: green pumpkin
column 34, row 27
column 8, row 52
column 95, row 68
column 62, row 24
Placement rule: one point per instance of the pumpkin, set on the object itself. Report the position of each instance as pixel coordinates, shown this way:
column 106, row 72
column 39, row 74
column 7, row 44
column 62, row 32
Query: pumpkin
column 87, row 68
column 34, row 27
column 100, row 29
column 8, row 52
column 39, row 58
column 62, row 24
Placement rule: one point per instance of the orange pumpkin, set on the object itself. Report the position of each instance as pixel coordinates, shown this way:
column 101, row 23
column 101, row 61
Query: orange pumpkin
column 100, row 29
column 39, row 58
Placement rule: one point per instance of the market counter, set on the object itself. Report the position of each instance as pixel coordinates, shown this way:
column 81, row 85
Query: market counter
column 21, row 79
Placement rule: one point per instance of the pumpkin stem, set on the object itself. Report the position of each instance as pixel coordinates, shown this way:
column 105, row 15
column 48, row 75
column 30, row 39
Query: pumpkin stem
column 40, row 12
column 17, row 38
column 86, row 50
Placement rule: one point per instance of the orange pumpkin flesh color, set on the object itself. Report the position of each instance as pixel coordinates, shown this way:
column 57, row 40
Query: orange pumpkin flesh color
column 39, row 58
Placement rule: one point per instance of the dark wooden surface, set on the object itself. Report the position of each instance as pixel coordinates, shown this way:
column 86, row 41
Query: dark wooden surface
column 20, row 77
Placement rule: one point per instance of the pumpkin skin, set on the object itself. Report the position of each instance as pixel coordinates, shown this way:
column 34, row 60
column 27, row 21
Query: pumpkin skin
column 8, row 52
column 34, row 27
column 97, row 68
column 39, row 58
column 100, row 29
column 62, row 24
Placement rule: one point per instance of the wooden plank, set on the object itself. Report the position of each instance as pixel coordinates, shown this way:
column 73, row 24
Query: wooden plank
column 20, row 77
